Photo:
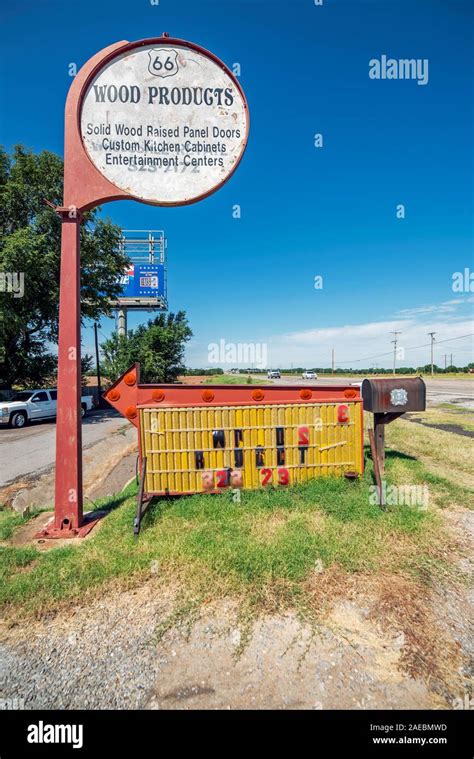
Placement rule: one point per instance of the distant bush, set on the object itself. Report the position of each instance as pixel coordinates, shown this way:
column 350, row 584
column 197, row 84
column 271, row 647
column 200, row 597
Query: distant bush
column 203, row 372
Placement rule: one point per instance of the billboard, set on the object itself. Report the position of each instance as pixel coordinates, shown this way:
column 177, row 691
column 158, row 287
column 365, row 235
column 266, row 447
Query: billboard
column 143, row 284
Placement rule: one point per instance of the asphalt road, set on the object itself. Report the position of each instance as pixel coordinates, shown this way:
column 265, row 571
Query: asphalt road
column 31, row 451
column 437, row 390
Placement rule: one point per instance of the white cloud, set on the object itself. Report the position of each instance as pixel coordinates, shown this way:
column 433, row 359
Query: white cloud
column 370, row 343
column 447, row 306
column 367, row 331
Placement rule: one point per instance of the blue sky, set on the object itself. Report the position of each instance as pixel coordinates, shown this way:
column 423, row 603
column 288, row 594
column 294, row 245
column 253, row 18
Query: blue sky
column 305, row 211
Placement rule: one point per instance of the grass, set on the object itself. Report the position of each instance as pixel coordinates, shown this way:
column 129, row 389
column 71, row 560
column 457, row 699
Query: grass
column 447, row 414
column 453, row 406
column 442, row 452
column 10, row 520
column 263, row 550
column 458, row 408
column 234, row 379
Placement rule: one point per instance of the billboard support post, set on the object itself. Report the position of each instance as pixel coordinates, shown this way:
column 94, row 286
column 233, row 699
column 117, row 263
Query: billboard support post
column 122, row 322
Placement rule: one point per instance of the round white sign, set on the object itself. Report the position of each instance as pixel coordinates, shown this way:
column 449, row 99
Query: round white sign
column 165, row 123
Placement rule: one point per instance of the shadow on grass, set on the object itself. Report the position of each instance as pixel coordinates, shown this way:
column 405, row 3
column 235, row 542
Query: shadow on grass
column 113, row 502
column 344, row 501
column 390, row 455
column 158, row 507
column 398, row 456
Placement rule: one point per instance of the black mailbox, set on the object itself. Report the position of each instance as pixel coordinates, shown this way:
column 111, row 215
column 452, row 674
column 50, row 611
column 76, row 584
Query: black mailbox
column 388, row 399
column 394, row 395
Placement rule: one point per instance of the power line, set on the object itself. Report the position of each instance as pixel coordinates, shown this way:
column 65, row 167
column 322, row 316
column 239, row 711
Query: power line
column 456, row 347
column 412, row 348
column 448, row 340
column 354, row 360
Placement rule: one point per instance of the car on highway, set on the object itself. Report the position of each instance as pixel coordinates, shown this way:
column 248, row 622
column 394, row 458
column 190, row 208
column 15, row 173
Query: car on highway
column 29, row 405
column 274, row 374
column 309, row 375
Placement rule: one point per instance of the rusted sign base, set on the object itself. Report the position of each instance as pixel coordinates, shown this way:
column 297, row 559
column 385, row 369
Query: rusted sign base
column 88, row 523
column 143, row 500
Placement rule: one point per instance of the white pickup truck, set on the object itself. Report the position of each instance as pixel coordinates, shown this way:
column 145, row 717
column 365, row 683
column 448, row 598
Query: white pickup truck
column 29, row 405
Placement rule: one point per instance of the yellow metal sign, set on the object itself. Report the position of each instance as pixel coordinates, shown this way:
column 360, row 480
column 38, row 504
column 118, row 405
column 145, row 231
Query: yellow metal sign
column 196, row 449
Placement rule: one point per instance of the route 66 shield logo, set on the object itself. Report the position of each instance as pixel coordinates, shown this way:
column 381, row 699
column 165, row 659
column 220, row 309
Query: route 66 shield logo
column 163, row 62
column 399, row 397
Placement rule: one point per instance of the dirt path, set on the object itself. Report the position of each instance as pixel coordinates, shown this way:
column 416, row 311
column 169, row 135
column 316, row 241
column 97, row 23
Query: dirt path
column 346, row 663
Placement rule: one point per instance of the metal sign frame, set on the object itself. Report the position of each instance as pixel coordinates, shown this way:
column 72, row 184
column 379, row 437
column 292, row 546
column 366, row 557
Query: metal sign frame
column 143, row 404
column 85, row 187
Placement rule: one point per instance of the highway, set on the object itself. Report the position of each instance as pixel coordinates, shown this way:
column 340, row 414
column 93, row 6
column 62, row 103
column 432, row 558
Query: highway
column 437, row 390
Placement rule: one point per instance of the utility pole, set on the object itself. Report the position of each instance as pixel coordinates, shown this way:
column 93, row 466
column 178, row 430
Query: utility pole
column 332, row 361
column 395, row 350
column 445, row 357
column 97, row 362
column 432, row 334
column 451, row 363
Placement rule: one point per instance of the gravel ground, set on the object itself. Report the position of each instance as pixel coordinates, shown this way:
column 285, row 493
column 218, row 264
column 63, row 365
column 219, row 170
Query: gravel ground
column 100, row 657
column 108, row 655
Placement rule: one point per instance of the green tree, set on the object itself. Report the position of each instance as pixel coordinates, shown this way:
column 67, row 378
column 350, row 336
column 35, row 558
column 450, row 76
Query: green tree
column 30, row 245
column 426, row 369
column 158, row 345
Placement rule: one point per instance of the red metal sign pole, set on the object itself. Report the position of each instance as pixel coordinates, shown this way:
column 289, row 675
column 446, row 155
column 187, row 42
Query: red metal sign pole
column 68, row 490
column 68, row 513
column 85, row 187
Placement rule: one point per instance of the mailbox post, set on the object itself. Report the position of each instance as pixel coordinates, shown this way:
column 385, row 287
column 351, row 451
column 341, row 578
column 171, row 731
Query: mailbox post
column 388, row 399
